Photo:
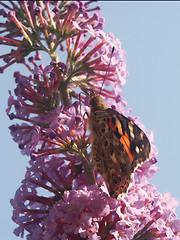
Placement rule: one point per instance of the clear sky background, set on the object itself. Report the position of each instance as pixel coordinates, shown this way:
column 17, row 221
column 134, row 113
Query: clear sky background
column 150, row 35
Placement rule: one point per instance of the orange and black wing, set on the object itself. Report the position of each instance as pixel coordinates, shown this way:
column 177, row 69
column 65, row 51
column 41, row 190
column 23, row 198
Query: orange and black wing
column 133, row 139
column 118, row 147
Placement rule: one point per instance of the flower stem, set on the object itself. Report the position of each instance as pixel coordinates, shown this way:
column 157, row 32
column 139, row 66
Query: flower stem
column 88, row 169
column 64, row 92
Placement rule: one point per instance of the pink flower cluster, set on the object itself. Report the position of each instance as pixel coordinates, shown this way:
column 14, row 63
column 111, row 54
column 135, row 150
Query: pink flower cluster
column 62, row 195
column 73, row 210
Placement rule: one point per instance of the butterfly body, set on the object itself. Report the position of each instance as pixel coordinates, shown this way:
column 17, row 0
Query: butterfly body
column 118, row 145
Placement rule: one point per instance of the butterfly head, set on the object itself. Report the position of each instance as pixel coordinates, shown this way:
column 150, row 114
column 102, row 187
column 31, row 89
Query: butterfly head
column 96, row 102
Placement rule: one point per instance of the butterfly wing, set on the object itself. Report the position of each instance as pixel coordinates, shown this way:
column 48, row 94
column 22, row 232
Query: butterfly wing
column 118, row 147
column 131, row 136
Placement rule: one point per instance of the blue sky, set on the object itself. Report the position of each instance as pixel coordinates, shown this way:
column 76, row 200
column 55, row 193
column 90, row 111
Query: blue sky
column 150, row 35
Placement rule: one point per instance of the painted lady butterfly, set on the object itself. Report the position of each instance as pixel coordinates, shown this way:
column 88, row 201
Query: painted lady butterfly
column 118, row 145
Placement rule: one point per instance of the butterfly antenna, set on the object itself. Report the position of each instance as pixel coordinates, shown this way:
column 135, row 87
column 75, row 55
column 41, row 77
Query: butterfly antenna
column 106, row 70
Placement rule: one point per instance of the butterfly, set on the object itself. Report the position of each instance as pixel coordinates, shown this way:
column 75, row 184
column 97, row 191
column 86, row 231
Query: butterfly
column 118, row 145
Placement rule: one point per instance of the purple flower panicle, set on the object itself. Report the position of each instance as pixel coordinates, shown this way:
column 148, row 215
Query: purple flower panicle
column 63, row 196
column 88, row 212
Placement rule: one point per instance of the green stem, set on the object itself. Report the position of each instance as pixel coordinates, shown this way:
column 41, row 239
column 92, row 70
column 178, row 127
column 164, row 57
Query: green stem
column 53, row 54
column 88, row 166
column 88, row 169
column 64, row 93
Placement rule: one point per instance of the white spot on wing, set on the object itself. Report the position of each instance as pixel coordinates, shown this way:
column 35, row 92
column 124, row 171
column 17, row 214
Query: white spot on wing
column 131, row 130
column 137, row 149
column 141, row 135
